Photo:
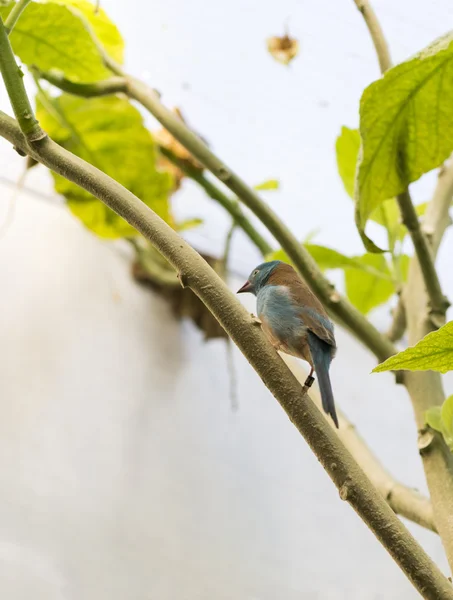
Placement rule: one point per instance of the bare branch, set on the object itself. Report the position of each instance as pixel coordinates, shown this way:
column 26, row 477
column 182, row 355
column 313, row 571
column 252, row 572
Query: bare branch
column 350, row 480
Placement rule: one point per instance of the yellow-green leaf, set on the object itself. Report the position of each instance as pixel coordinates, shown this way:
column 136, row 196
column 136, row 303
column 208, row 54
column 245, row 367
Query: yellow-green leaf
column 109, row 133
column 347, row 150
column 52, row 36
column 104, row 29
column 188, row 224
column 433, row 418
column 447, row 415
column 433, row 353
column 367, row 290
column 406, row 126
column 270, row 184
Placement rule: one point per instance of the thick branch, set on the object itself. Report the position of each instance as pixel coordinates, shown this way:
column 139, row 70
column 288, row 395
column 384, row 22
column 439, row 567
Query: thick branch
column 403, row 500
column 352, row 483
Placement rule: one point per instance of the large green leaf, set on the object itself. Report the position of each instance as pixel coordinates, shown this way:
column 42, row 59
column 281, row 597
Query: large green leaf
column 367, row 290
column 433, row 353
column 406, row 126
column 387, row 213
column 104, row 29
column 52, row 36
column 109, row 133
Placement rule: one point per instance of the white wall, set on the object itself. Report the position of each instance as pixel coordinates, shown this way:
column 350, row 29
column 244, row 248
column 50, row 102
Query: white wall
column 124, row 473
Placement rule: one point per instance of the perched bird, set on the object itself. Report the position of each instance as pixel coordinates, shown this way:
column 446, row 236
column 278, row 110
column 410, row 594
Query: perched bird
column 295, row 322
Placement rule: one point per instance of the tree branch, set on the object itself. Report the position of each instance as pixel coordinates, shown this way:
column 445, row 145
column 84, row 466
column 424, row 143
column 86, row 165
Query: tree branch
column 398, row 326
column 119, row 85
column 232, row 206
column 421, row 297
column 376, row 33
column 337, row 305
column 14, row 15
column 13, row 78
column 425, row 387
column 438, row 301
column 194, row 272
column 403, row 500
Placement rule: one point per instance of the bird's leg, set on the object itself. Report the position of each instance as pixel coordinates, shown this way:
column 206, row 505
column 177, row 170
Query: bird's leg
column 310, row 379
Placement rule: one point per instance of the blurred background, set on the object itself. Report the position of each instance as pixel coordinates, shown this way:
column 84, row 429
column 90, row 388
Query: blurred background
column 125, row 469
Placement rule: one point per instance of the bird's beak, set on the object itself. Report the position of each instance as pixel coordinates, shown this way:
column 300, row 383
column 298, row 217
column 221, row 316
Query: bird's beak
column 245, row 288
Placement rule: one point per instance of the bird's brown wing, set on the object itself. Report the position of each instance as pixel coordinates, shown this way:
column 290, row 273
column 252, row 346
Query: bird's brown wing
column 312, row 312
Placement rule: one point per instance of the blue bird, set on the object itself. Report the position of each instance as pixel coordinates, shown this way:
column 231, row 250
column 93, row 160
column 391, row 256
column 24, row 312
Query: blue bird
column 295, row 322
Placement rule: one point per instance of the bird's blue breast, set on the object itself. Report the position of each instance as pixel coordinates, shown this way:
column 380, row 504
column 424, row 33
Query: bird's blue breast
column 276, row 308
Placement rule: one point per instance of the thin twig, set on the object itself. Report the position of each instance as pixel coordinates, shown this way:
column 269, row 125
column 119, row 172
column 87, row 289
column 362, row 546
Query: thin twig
column 376, row 33
column 231, row 205
column 398, row 325
column 438, row 302
column 352, row 483
column 14, row 15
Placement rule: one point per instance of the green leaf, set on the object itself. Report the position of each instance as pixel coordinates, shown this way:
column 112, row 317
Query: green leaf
column 447, row 415
column 347, row 150
column 367, row 290
column 432, row 353
column 51, row 36
column 433, row 418
column 105, row 30
column 109, row 133
column 406, row 126
column 270, row 184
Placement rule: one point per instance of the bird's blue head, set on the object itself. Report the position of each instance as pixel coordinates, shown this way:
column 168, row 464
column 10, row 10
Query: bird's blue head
column 259, row 277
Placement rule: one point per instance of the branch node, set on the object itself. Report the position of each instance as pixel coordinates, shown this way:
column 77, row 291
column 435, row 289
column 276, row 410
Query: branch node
column 223, row 174
column 425, row 439
column 183, row 279
column 344, row 490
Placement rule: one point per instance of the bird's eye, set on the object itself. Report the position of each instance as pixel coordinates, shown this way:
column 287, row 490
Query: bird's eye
column 255, row 272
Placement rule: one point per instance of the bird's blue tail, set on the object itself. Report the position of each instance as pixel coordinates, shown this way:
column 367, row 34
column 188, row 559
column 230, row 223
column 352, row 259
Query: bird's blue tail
column 321, row 353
